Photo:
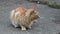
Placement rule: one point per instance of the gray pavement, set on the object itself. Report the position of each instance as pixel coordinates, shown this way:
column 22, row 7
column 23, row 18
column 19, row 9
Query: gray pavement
column 49, row 23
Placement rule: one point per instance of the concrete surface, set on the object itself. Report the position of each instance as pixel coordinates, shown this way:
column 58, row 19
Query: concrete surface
column 49, row 23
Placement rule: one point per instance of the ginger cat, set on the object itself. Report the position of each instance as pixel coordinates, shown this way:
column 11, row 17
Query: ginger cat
column 23, row 17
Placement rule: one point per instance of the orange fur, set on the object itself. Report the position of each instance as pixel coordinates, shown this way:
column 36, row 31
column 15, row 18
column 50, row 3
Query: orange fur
column 23, row 17
column 22, row 10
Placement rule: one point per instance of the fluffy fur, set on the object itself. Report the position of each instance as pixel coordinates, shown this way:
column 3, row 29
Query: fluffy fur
column 23, row 17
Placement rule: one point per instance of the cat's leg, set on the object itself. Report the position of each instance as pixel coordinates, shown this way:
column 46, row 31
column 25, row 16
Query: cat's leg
column 30, row 25
column 23, row 28
column 15, row 24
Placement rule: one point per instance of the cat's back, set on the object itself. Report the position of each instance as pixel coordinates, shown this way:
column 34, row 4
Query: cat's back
column 19, row 11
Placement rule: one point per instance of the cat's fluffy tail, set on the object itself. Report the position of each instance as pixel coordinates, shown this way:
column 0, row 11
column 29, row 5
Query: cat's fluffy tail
column 12, row 14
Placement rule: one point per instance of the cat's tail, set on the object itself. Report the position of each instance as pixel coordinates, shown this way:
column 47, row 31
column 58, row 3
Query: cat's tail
column 12, row 14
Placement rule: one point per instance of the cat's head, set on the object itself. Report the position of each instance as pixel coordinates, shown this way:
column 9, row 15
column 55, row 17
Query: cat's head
column 32, row 13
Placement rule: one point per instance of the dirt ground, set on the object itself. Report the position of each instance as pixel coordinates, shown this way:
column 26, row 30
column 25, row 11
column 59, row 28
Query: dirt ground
column 49, row 23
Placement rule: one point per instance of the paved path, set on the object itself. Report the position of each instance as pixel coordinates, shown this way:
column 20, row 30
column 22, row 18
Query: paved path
column 47, row 24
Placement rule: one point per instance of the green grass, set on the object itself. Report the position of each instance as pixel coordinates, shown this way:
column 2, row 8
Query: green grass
column 54, row 5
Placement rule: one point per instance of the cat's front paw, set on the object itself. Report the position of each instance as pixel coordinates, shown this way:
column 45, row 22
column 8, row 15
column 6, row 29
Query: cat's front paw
column 23, row 28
